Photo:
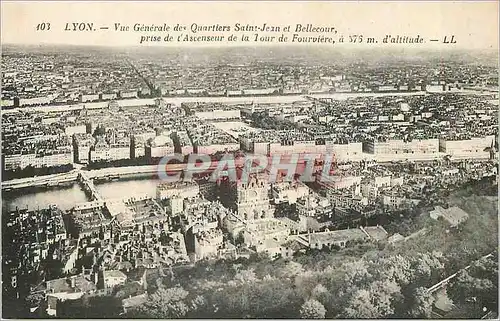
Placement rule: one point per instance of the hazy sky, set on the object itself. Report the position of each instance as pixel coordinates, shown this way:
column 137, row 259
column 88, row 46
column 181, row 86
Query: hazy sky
column 474, row 24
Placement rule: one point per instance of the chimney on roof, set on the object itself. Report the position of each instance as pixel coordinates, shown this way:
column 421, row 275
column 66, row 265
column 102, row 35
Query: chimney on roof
column 72, row 281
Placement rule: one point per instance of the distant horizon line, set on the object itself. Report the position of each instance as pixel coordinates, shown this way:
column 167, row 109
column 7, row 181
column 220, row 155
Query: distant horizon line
column 305, row 46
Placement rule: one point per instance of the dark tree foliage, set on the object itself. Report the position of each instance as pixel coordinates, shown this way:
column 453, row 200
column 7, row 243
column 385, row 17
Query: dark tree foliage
column 478, row 284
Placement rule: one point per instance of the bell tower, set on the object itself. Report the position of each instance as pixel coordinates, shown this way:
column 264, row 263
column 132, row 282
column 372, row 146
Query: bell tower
column 252, row 200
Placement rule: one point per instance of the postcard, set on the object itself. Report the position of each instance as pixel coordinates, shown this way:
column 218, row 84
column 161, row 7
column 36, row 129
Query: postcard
column 262, row 160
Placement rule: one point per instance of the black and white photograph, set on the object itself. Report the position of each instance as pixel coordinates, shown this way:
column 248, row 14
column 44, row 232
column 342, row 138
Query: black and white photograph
column 249, row 160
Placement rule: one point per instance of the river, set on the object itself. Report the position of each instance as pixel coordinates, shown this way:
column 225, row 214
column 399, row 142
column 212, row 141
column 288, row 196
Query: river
column 126, row 188
column 33, row 198
column 220, row 99
column 66, row 197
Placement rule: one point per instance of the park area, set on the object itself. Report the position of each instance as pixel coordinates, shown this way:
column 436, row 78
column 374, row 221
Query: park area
column 235, row 128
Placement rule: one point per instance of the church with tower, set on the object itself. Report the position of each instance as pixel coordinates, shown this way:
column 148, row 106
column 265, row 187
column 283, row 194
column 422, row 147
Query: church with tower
column 248, row 200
